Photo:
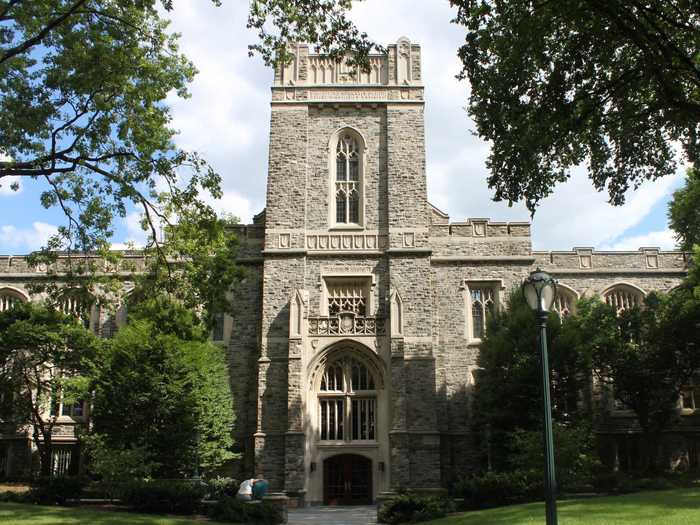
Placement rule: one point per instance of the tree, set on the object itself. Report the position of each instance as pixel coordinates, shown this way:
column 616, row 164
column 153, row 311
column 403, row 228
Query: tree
column 646, row 356
column 556, row 84
column 82, row 91
column 508, row 393
column 684, row 211
column 612, row 83
column 46, row 358
column 164, row 392
column 200, row 271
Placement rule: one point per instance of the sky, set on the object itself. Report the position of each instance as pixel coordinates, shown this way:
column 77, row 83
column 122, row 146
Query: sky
column 227, row 121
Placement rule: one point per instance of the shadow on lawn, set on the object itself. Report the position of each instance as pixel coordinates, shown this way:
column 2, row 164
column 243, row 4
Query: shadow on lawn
column 675, row 506
column 15, row 514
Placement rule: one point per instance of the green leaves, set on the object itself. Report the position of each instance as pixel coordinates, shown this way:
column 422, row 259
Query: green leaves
column 45, row 356
column 684, row 211
column 164, row 392
column 82, row 91
column 556, row 84
column 325, row 23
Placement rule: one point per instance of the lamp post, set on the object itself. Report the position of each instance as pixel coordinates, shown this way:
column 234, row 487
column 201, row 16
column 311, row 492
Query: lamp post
column 540, row 290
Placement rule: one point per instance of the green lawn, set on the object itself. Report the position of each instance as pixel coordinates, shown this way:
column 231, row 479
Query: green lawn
column 667, row 507
column 12, row 513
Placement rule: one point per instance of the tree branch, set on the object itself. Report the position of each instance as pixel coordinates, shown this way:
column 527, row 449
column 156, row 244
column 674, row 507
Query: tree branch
column 28, row 44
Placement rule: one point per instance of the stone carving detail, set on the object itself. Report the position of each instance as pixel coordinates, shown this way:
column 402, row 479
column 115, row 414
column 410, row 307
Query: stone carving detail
column 346, row 324
column 324, row 70
column 409, row 240
column 652, row 261
column 403, row 61
column 345, row 242
column 585, row 261
column 284, row 240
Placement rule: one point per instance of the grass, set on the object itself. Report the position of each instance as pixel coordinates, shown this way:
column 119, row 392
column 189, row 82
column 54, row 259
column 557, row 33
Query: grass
column 15, row 514
column 666, row 507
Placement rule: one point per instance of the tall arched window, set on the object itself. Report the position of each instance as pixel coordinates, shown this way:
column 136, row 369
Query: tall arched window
column 347, row 401
column 9, row 298
column 623, row 297
column 348, row 178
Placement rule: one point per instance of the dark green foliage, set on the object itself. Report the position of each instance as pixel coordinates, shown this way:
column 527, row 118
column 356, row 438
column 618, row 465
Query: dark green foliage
column 413, row 508
column 15, row 497
column 56, row 490
column 609, row 83
column 171, row 496
column 646, row 355
column 508, row 393
column 575, row 457
column 167, row 397
column 43, row 353
column 684, row 211
column 501, row 488
column 222, row 487
column 231, row 510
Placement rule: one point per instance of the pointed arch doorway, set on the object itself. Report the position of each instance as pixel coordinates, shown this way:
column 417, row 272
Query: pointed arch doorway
column 347, row 480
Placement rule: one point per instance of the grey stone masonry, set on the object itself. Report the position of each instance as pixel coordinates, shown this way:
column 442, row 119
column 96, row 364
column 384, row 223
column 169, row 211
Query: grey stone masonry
column 412, row 288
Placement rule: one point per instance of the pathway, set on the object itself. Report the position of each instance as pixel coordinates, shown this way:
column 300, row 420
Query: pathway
column 358, row 515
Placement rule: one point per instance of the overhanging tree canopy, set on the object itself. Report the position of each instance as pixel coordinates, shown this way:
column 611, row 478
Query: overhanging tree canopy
column 82, row 91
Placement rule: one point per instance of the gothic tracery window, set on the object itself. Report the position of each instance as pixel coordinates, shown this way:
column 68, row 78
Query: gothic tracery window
column 623, row 297
column 483, row 302
column 564, row 303
column 348, row 183
column 347, row 295
column 347, row 402
column 9, row 298
column 77, row 304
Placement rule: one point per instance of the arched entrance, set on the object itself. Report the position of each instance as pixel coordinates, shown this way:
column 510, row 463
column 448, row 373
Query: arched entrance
column 347, row 480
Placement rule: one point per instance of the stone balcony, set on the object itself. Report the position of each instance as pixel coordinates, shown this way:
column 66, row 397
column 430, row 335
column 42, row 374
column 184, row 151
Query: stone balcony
column 346, row 324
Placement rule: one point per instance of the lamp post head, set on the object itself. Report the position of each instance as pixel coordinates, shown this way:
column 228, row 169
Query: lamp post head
column 540, row 291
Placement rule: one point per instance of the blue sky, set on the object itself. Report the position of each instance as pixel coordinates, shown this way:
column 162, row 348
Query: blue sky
column 227, row 120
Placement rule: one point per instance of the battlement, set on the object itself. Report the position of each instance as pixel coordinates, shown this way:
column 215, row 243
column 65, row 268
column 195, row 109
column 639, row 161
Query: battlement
column 588, row 259
column 400, row 65
column 394, row 76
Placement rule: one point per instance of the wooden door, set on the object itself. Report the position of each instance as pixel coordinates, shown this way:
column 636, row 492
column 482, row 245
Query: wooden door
column 347, row 480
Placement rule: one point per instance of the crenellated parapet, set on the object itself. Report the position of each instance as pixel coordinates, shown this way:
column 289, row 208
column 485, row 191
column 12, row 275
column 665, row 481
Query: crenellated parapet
column 589, row 261
column 477, row 238
column 394, row 76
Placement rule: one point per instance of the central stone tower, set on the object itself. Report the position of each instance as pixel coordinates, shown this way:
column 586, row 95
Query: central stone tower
column 345, row 384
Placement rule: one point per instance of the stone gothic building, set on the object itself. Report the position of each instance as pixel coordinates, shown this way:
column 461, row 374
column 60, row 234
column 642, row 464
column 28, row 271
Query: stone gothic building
column 358, row 325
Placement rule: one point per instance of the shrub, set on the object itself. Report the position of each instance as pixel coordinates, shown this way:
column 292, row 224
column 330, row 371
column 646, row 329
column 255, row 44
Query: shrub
column 635, row 484
column 229, row 509
column 220, row 487
column 174, row 496
column 501, row 488
column 575, row 458
column 55, row 491
column 113, row 466
column 413, row 508
column 15, row 497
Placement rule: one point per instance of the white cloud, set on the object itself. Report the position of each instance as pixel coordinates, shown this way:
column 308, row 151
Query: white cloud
column 577, row 215
column 26, row 239
column 663, row 239
column 227, row 121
